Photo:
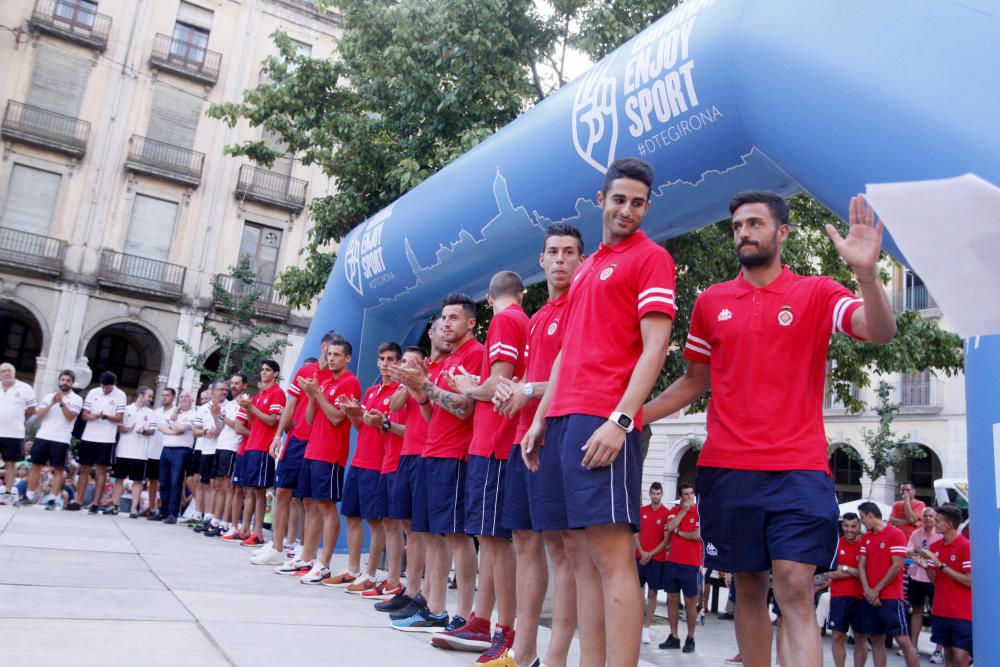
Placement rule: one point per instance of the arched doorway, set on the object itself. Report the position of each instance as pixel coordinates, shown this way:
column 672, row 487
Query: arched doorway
column 21, row 339
column 687, row 469
column 921, row 473
column 214, row 361
column 128, row 350
column 846, row 474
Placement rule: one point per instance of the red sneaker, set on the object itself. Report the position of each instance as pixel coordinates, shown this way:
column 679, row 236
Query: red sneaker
column 253, row 540
column 474, row 635
column 233, row 536
column 382, row 591
column 503, row 639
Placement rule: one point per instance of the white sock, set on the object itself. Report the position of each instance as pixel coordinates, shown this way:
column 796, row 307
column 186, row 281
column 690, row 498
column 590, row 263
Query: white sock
column 215, row 523
column 207, row 516
column 30, row 495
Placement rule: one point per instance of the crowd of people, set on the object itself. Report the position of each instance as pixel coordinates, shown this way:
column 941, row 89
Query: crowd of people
column 500, row 458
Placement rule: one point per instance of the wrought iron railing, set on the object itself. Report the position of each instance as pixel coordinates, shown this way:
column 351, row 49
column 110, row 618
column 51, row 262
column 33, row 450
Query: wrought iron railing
column 913, row 298
column 271, row 187
column 34, row 252
column 42, row 127
column 165, row 159
column 186, row 58
column 268, row 301
column 141, row 274
column 920, row 390
column 72, row 20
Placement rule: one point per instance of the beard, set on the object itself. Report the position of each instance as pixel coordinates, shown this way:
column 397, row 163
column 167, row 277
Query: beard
column 64, row 388
column 763, row 256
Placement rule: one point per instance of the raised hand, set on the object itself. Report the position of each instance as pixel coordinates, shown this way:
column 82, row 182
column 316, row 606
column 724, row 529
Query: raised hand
column 863, row 243
column 411, row 377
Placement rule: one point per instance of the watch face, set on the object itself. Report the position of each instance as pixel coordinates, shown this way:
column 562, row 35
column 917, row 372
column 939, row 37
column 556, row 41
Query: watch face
column 624, row 421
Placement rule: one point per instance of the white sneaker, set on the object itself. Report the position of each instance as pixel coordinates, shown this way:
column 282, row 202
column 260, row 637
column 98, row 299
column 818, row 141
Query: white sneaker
column 263, row 549
column 937, row 658
column 293, row 567
column 315, row 576
column 268, row 557
column 7, row 499
column 646, row 639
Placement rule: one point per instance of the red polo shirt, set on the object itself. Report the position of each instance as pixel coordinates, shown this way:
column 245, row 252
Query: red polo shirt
column 371, row 442
column 301, row 428
column 393, row 442
column 767, row 351
column 952, row 599
column 327, row 442
column 448, row 437
column 899, row 512
column 847, row 554
column 544, row 340
column 878, row 550
column 612, row 290
column 269, row 401
column 505, row 341
column 651, row 530
column 685, row 551
column 415, row 438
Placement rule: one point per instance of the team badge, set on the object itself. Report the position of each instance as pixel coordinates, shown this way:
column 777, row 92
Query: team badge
column 385, row 402
column 553, row 327
column 785, row 317
column 659, row 521
column 606, row 273
column 952, row 556
column 725, row 315
column 881, row 545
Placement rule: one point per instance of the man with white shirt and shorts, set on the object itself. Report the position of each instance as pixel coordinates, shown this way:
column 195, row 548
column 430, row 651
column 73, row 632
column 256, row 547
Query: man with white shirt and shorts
column 103, row 410
column 56, row 413
column 17, row 404
column 133, row 444
column 234, row 429
column 207, row 428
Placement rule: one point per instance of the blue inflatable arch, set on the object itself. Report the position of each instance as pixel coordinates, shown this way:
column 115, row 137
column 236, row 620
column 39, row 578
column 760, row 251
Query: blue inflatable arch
column 719, row 96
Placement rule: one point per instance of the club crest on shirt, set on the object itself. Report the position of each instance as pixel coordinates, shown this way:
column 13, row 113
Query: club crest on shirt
column 881, row 545
column 552, row 328
column 386, row 401
column 606, row 273
column 725, row 314
column 659, row 521
column 952, row 556
column 785, row 317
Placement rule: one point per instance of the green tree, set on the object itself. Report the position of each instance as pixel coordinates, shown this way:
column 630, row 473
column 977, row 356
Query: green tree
column 886, row 450
column 238, row 329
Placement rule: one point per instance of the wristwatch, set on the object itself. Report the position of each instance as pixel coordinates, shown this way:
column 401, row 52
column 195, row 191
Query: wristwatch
column 844, row 568
column 529, row 390
column 386, row 425
column 622, row 420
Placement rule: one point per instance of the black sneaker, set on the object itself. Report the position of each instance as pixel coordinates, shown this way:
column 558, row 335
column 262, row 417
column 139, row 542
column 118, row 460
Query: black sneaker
column 24, row 502
column 155, row 517
column 50, row 505
column 170, row 520
column 670, row 642
column 94, row 509
column 113, row 510
column 213, row 531
column 415, row 605
column 456, row 622
column 688, row 645
column 397, row 601
column 203, row 526
column 133, row 515
column 74, row 507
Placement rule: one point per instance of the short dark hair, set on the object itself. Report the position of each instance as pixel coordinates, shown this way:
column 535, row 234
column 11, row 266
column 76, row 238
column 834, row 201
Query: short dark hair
column 629, row 167
column 951, row 514
column 391, row 346
column 562, row 229
column 870, row 508
column 849, row 516
column 310, row 360
column 68, row 373
column 272, row 364
column 505, row 283
column 242, row 377
column 906, row 482
column 656, row 486
column 345, row 346
column 682, row 487
column 173, row 392
column 142, row 390
column 418, row 350
column 107, row 377
column 460, row 299
column 776, row 204
column 331, row 336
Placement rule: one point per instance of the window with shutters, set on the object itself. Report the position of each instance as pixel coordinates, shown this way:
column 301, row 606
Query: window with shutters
column 151, row 228
column 261, row 245
column 283, row 164
column 58, row 81
column 31, row 200
column 174, row 116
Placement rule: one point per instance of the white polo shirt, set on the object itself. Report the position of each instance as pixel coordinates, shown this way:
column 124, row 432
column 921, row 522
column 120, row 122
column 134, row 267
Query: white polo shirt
column 229, row 439
column 13, row 402
column 206, row 422
column 134, row 445
column 54, row 425
column 99, row 403
column 185, row 439
column 156, row 442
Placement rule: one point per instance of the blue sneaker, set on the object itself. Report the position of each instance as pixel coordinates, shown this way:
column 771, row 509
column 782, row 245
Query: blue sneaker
column 415, row 605
column 422, row 621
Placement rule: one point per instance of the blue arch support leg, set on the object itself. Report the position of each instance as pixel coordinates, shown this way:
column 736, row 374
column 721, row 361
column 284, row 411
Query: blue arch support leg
column 982, row 388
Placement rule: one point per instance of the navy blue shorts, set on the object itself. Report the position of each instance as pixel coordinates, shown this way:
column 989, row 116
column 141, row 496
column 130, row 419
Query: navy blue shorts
column 286, row 476
column 604, row 495
column 319, row 480
column 681, row 578
column 238, row 470
column 485, row 482
column 889, row 619
column 952, row 633
column 421, row 522
column 651, row 574
column 445, row 486
column 382, row 493
column 255, row 469
column 361, row 498
column 750, row 518
column 516, row 512
column 404, row 483
column 545, row 487
column 845, row 614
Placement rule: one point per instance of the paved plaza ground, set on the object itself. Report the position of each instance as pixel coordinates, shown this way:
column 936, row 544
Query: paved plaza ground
column 94, row 590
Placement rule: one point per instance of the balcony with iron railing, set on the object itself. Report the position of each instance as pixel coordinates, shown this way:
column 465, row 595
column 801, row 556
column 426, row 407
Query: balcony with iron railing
column 268, row 303
column 185, row 59
column 31, row 253
column 162, row 160
column 915, row 297
column 271, row 187
column 44, row 128
column 832, row 403
column 140, row 275
column 73, row 21
column 919, row 392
